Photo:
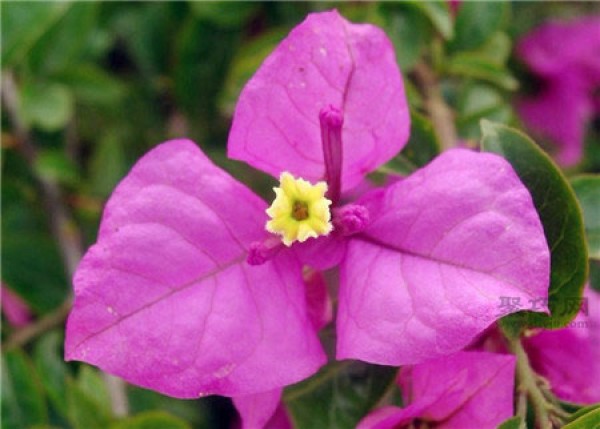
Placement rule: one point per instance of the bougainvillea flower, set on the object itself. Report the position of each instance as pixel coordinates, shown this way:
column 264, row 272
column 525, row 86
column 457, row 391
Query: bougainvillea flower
column 15, row 310
column 564, row 56
column 187, row 293
column 569, row 358
column 464, row 390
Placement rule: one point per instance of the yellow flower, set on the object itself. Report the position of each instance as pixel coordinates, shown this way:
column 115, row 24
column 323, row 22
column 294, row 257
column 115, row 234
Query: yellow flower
column 300, row 210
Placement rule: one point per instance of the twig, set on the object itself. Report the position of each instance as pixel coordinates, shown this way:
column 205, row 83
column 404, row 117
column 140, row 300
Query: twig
column 65, row 232
column 528, row 383
column 441, row 115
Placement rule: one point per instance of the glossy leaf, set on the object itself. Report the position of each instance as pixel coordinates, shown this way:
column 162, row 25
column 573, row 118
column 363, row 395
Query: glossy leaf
column 338, row 396
column 587, row 190
column 560, row 214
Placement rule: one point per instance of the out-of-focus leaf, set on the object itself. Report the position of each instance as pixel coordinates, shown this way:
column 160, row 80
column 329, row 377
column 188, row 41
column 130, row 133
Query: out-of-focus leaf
column 92, row 85
column 46, row 106
column 473, row 65
column 587, row 189
column 339, row 395
column 423, row 144
column 476, row 22
column 476, row 102
column 595, row 274
column 65, row 42
column 54, row 165
column 24, row 24
column 561, row 217
column 583, row 411
column 151, row 420
column 439, row 15
column 23, row 403
column 31, row 264
column 586, row 421
column 52, row 369
column 245, row 63
column 88, row 404
column 408, row 29
column 108, row 164
column 230, row 14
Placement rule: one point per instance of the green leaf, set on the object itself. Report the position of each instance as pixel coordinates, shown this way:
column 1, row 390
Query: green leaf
column 590, row 420
column 587, row 189
column 23, row 403
column 408, row 29
column 438, row 13
column 423, row 144
column 513, row 423
column 583, row 411
column 230, row 14
column 476, row 22
column 151, row 420
column 52, row 369
column 92, row 85
column 476, row 66
column 87, row 400
column 108, row 163
column 595, row 274
column 246, row 61
column 54, row 165
column 339, row 395
column 24, row 24
column 561, row 217
column 476, row 102
column 46, row 106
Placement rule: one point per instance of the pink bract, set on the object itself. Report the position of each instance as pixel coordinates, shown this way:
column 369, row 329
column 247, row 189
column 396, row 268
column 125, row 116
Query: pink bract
column 564, row 56
column 569, row 358
column 443, row 246
column 165, row 298
column 324, row 61
column 464, row 390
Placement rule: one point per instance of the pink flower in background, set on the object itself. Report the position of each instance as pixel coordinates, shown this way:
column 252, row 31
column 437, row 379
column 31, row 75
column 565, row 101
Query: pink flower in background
column 569, row 358
column 185, row 291
column 565, row 57
column 15, row 310
column 464, row 390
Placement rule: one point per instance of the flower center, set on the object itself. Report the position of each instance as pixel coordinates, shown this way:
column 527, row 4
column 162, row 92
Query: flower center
column 300, row 210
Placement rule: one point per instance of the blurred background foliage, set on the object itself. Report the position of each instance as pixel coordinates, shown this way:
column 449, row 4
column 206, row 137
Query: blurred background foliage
column 88, row 87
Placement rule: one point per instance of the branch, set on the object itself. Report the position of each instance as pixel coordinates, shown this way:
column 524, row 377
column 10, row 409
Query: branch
column 527, row 380
column 441, row 115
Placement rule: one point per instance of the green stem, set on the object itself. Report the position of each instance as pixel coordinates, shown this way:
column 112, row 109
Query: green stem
column 527, row 380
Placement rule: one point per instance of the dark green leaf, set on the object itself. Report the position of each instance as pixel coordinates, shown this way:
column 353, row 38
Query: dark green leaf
column 92, row 85
column 46, row 106
column 85, row 412
column 339, row 395
column 513, row 423
column 54, row 165
column 407, row 27
column 423, row 144
column 230, row 14
column 108, row 164
column 595, row 274
column 477, row 102
column 587, row 189
column 52, row 369
column 23, row 403
column 476, row 22
column 439, row 15
column 590, row 420
column 560, row 214
column 151, row 420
